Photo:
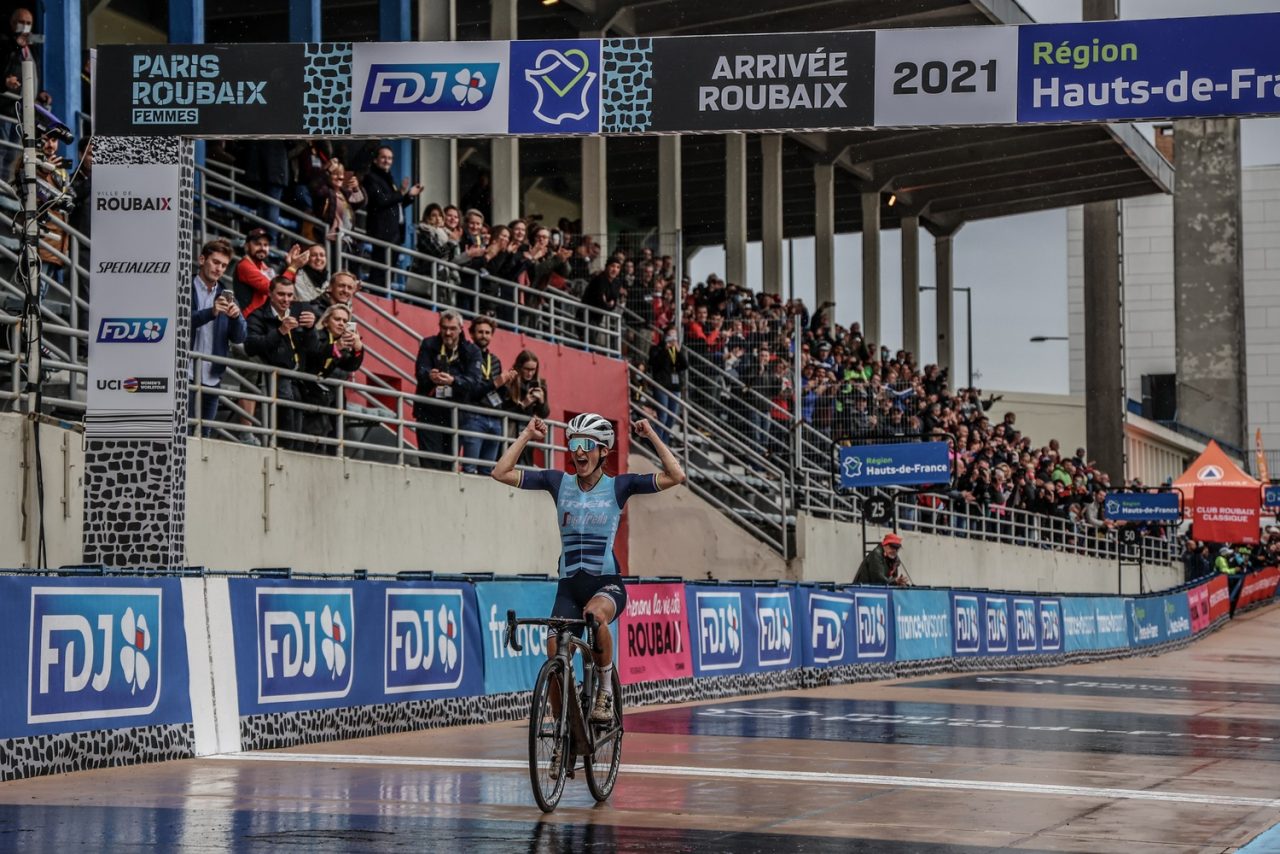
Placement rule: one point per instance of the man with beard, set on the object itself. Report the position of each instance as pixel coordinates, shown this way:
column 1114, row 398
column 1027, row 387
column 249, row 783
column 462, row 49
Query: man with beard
column 446, row 368
column 252, row 279
column 487, row 394
column 589, row 507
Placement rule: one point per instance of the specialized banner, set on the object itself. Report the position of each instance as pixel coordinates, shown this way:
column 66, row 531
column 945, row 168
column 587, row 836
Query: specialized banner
column 504, row 668
column 756, row 82
column 653, row 634
column 319, row 644
column 90, row 654
column 1198, row 604
column 1226, row 514
column 740, row 629
column 1219, row 598
column 134, row 304
column 922, row 619
column 200, row 90
column 1151, row 69
column 900, row 464
column 1259, row 586
column 1142, row 507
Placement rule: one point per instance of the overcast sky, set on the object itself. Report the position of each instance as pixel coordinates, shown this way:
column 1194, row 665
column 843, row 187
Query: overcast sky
column 994, row 256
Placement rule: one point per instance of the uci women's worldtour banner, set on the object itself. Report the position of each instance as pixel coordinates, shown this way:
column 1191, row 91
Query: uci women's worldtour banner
column 1153, row 69
column 133, row 310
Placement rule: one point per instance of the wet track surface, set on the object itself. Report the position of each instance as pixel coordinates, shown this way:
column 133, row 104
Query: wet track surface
column 1178, row 753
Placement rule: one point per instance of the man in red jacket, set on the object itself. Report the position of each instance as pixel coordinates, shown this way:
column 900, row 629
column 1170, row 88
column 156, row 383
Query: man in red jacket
column 253, row 274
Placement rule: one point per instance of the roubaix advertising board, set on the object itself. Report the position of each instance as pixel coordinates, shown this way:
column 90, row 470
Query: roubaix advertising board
column 901, row 464
column 1259, row 586
column 652, row 636
column 133, row 313
column 91, row 654
column 1219, row 598
column 330, row 644
column 1226, row 514
column 222, row 90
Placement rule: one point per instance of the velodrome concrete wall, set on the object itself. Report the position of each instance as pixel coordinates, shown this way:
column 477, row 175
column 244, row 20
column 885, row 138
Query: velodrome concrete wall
column 250, row 507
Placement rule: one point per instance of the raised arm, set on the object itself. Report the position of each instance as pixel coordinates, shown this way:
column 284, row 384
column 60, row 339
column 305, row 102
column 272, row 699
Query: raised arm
column 671, row 474
column 504, row 470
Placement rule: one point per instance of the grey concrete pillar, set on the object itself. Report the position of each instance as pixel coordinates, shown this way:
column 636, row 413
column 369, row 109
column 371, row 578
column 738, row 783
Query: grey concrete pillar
column 771, row 212
column 871, row 267
column 670, row 186
column 1208, row 275
column 911, row 285
column 595, row 189
column 735, row 209
column 824, row 238
column 943, row 277
column 437, row 158
column 1103, row 342
column 504, row 153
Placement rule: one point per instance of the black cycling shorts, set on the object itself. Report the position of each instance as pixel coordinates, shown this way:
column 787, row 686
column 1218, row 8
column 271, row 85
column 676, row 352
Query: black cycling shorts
column 573, row 594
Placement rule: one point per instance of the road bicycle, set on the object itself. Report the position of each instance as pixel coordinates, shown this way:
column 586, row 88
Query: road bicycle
column 568, row 726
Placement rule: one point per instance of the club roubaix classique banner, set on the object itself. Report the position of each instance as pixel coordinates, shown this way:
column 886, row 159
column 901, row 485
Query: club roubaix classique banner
column 133, row 313
column 900, row 78
column 90, row 654
column 652, row 637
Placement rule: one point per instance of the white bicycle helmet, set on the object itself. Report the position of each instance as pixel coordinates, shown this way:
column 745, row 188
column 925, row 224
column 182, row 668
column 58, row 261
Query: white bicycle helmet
column 592, row 426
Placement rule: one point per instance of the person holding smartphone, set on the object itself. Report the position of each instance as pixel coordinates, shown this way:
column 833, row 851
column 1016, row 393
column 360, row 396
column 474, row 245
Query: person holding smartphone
column 216, row 324
column 337, row 353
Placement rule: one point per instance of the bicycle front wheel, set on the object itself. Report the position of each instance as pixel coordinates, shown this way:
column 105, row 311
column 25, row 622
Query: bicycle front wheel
column 602, row 764
column 548, row 736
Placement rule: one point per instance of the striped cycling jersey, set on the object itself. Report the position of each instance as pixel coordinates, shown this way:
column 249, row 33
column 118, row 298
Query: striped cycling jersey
column 588, row 520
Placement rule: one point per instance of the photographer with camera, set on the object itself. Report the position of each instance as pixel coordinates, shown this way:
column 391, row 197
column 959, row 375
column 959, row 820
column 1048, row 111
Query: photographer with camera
column 336, row 353
column 216, row 324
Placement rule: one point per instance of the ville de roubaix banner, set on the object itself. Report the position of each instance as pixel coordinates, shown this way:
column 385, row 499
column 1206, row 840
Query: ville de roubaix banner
column 132, row 316
column 1001, row 75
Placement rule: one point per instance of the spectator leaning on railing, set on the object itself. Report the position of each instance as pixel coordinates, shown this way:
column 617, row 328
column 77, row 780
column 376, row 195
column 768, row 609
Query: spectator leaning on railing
column 281, row 335
column 216, row 323
column 336, row 352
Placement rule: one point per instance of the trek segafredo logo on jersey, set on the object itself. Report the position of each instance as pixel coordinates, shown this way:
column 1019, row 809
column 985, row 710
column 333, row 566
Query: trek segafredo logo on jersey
column 719, row 630
column 306, row 643
column 424, row 640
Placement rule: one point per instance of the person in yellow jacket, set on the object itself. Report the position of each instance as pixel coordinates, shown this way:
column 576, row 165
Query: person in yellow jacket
column 1224, row 563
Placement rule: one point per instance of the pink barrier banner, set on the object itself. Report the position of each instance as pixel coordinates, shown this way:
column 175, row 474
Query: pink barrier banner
column 1198, row 602
column 653, row 634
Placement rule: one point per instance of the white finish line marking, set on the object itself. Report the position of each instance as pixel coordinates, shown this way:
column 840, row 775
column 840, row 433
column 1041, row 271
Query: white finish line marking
column 780, row 777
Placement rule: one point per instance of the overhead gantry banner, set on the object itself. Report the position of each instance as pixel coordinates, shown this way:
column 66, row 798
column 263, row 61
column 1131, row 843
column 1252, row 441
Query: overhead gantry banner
column 1036, row 73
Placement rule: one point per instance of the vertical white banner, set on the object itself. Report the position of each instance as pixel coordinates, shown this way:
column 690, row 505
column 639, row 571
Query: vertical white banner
column 134, row 300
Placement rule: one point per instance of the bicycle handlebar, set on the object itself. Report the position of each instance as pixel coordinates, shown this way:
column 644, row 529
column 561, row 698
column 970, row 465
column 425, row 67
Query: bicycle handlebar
column 550, row 622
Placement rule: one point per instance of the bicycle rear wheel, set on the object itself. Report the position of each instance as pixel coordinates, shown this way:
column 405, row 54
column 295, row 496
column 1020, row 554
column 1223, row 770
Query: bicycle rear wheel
column 602, row 764
column 547, row 730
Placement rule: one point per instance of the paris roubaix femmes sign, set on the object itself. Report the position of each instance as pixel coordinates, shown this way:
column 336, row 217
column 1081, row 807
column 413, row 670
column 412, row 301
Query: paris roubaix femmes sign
column 1000, row 75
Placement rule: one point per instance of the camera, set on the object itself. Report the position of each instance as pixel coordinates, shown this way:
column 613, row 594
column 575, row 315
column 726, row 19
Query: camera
column 351, row 326
column 47, row 124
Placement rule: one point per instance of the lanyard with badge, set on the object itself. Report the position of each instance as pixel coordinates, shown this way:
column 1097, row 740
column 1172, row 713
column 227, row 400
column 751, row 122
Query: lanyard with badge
column 492, row 398
column 675, row 374
column 445, row 392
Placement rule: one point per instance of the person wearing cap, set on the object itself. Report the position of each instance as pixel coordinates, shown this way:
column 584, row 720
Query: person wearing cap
column 1224, row 562
column 252, row 279
column 880, row 566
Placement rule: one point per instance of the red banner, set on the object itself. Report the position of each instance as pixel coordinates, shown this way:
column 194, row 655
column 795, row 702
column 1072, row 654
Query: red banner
column 1226, row 514
column 654, row 634
column 1258, row 587
column 1219, row 598
column 1198, row 603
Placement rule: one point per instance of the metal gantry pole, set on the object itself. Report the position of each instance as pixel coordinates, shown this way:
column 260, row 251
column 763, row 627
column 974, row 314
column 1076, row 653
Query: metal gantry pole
column 31, row 323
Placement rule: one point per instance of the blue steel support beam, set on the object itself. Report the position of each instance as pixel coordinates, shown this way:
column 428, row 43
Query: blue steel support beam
column 394, row 22
column 304, row 21
column 61, row 78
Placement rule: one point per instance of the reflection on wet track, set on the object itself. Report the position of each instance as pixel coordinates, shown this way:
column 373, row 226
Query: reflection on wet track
column 1148, row 687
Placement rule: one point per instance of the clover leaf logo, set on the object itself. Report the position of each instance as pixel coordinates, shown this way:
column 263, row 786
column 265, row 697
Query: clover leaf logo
column 469, row 86
column 331, row 648
column 447, row 621
column 151, row 330
column 137, row 640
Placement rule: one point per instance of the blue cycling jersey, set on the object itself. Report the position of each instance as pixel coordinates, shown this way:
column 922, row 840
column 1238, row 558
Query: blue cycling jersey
column 588, row 520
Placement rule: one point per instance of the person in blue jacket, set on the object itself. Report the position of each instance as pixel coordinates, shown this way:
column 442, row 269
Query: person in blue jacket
column 216, row 324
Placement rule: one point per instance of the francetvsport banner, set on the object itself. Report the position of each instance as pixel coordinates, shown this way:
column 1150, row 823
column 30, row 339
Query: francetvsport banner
column 91, row 654
column 652, row 640
column 320, row 644
column 504, row 668
column 922, row 620
column 134, row 304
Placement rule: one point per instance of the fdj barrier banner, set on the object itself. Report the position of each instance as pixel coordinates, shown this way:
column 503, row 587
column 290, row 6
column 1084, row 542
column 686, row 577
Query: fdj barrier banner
column 922, row 619
column 1142, row 507
column 899, row 464
column 86, row 655
column 220, row 90
column 754, row 82
column 854, row 626
column 133, row 312
column 1259, row 586
column 1005, row 624
column 740, row 629
column 1116, row 70
column 504, row 668
column 653, row 635
column 308, row 645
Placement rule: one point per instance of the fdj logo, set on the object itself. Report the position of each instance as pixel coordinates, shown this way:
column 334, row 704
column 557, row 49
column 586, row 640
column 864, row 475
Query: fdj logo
column 828, row 616
column 424, row 643
column 777, row 623
column 997, row 625
column 1024, row 617
column 305, row 644
column 719, row 630
column 968, row 631
column 430, row 88
column 873, row 624
column 1050, row 626
column 94, row 652
column 132, row 330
